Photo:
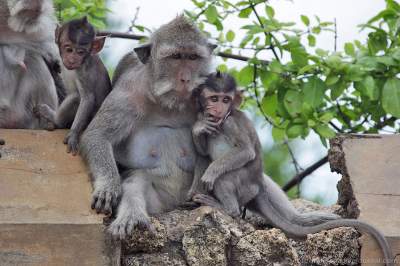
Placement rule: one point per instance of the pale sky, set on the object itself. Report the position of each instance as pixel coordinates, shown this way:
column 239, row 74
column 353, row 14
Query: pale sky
column 348, row 13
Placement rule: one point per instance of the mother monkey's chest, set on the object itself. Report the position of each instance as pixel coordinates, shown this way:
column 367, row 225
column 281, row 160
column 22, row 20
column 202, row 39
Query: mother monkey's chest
column 160, row 142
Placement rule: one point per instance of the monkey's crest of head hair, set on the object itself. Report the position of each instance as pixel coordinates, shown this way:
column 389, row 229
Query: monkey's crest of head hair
column 180, row 30
column 219, row 82
column 80, row 31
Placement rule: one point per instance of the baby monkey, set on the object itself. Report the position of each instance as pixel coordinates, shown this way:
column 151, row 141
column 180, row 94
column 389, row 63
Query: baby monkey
column 226, row 136
column 235, row 179
column 85, row 77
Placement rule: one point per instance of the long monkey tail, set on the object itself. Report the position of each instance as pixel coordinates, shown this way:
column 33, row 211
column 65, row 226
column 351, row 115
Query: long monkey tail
column 266, row 204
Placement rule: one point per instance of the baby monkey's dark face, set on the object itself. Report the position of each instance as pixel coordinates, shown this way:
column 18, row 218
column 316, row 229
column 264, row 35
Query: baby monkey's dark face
column 73, row 55
column 217, row 105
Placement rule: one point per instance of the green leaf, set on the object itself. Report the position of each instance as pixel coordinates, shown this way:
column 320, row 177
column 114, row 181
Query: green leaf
column 245, row 13
column 337, row 89
column 270, row 11
column 327, row 117
column 377, row 41
column 294, row 130
column 311, row 40
column 391, row 97
column 211, row 14
column 371, row 89
column 305, row 20
column 349, row 49
column 331, row 79
column 293, row 102
column 230, row 36
column 275, row 66
column 269, row 105
column 269, row 79
column 278, row 134
column 299, row 56
column 324, row 131
column 246, row 76
column 314, row 91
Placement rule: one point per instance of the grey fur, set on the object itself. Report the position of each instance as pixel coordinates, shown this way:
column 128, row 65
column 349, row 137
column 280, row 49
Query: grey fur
column 144, row 125
column 26, row 42
column 235, row 178
column 87, row 88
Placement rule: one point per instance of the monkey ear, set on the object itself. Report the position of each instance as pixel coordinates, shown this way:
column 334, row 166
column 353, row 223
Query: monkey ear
column 143, row 52
column 57, row 34
column 212, row 46
column 237, row 101
column 98, row 44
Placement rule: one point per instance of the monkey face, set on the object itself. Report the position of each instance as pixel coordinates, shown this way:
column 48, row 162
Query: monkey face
column 217, row 104
column 73, row 55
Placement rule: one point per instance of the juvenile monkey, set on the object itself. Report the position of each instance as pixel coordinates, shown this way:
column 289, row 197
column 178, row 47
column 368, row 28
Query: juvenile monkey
column 85, row 77
column 235, row 175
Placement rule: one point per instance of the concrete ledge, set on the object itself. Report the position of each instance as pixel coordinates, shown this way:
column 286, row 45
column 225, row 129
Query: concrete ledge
column 370, row 186
column 45, row 215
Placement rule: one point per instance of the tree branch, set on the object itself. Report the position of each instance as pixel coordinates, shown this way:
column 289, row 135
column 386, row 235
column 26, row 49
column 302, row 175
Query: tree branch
column 114, row 34
column 299, row 177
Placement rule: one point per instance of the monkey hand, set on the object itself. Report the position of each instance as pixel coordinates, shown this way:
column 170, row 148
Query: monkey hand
column 72, row 142
column 106, row 195
column 205, row 126
column 208, row 180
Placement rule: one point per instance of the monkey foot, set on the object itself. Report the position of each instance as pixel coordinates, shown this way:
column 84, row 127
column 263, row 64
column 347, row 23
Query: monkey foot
column 124, row 224
column 207, row 200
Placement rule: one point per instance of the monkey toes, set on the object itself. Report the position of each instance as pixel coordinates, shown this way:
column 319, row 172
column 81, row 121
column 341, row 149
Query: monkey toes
column 72, row 141
column 124, row 224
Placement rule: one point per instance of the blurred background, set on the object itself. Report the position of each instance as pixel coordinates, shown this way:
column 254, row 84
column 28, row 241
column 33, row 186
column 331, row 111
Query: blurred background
column 326, row 33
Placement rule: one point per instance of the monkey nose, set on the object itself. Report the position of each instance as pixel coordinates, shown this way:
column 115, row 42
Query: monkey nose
column 185, row 80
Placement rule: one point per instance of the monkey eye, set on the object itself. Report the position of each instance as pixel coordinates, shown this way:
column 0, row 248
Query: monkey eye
column 226, row 100
column 69, row 49
column 176, row 56
column 214, row 99
column 193, row 57
column 81, row 52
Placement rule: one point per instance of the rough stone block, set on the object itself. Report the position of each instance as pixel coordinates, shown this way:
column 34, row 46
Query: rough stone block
column 370, row 187
column 45, row 215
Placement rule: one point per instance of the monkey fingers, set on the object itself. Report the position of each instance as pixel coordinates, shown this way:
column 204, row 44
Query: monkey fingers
column 104, row 201
column 207, row 200
column 72, row 140
column 208, row 181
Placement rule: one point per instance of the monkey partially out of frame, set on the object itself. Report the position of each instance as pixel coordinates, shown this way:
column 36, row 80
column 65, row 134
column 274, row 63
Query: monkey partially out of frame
column 85, row 77
column 235, row 176
column 26, row 37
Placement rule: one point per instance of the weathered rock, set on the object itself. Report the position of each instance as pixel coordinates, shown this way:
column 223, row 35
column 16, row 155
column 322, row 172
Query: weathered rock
column 205, row 236
column 338, row 246
column 144, row 241
column 264, row 247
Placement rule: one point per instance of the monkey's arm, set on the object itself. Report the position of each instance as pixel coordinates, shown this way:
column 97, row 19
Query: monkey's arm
column 200, row 143
column 237, row 157
column 85, row 110
column 112, row 123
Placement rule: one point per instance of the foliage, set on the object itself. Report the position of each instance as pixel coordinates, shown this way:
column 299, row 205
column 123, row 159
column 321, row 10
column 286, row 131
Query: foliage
column 95, row 10
column 305, row 88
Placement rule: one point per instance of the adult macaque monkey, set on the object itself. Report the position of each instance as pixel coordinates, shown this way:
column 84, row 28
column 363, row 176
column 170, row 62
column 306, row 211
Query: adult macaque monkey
column 85, row 77
column 235, row 176
column 144, row 125
column 25, row 38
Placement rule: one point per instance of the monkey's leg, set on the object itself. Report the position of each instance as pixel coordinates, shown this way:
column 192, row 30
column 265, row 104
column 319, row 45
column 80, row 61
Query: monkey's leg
column 225, row 191
column 66, row 112
column 132, row 210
